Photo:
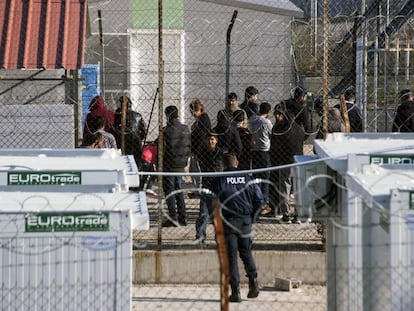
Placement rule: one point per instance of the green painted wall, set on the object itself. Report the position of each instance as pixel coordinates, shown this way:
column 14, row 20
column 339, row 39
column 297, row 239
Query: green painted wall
column 144, row 14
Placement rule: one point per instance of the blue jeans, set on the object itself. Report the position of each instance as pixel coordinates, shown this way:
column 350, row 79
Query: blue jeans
column 261, row 159
column 203, row 217
column 175, row 202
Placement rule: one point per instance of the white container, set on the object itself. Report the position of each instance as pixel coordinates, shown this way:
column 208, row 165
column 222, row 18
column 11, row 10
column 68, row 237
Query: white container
column 383, row 195
column 337, row 146
column 350, row 241
column 31, row 169
column 67, row 251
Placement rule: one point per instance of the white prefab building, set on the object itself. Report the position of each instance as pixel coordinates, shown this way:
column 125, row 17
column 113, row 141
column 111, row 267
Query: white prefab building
column 65, row 251
column 361, row 186
column 66, row 225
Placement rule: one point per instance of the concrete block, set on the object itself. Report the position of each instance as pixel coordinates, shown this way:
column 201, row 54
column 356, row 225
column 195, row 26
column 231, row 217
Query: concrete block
column 287, row 284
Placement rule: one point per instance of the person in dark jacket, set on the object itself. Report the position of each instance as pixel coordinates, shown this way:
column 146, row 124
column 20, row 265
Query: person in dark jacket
column 200, row 130
column 249, row 105
column 297, row 109
column 134, row 131
column 177, row 144
column 241, row 201
column 232, row 106
column 227, row 134
column 246, row 138
column 212, row 161
column 404, row 118
column 287, row 140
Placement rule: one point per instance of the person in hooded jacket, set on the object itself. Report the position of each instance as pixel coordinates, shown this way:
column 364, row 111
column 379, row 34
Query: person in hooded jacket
column 228, row 136
column 135, row 130
column 97, row 108
column 286, row 141
column 404, row 118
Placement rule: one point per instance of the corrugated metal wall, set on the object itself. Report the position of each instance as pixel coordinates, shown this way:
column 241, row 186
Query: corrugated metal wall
column 42, row 34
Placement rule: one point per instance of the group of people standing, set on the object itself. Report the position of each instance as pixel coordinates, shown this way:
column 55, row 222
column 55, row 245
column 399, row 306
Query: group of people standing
column 243, row 138
column 104, row 128
column 246, row 131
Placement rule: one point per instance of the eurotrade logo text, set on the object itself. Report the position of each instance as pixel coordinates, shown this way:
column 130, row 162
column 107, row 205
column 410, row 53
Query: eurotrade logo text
column 43, row 178
column 391, row 159
column 59, row 222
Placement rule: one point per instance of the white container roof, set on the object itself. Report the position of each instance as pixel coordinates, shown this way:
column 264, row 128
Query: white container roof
column 99, row 166
column 337, row 146
column 35, row 202
column 374, row 183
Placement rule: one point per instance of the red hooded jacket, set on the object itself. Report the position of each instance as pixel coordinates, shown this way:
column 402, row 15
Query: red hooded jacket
column 97, row 108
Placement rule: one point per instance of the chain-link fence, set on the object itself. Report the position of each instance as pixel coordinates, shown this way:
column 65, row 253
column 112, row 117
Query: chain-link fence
column 182, row 83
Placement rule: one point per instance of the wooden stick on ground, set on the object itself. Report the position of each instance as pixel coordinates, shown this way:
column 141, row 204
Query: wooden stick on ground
column 223, row 259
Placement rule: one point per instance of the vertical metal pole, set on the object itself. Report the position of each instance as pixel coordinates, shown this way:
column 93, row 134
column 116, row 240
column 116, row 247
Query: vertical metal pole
column 407, row 64
column 325, row 78
column 74, row 97
column 386, row 69
column 123, row 122
column 228, row 42
column 160, row 120
column 376, row 60
column 101, row 43
column 314, row 18
column 365, row 77
column 397, row 69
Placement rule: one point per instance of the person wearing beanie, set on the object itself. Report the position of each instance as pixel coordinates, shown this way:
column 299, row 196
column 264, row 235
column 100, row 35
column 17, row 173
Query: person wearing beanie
column 286, row 141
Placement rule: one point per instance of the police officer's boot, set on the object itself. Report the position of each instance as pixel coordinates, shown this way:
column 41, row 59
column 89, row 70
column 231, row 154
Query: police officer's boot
column 235, row 293
column 253, row 288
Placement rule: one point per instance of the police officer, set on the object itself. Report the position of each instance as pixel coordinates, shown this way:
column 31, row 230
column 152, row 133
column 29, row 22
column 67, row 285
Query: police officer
column 241, row 201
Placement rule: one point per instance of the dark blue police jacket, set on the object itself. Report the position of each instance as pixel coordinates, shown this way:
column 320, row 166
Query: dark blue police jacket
column 240, row 194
